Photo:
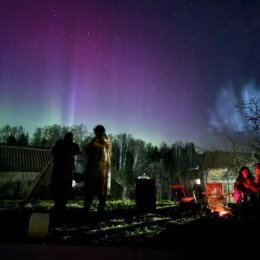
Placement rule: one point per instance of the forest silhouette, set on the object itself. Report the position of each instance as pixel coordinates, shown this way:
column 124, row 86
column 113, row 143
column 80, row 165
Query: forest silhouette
column 131, row 157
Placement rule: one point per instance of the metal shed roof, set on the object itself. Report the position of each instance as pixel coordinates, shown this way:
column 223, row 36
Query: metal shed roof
column 23, row 159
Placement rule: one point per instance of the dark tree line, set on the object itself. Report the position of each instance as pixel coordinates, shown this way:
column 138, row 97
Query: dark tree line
column 43, row 137
column 14, row 135
column 131, row 157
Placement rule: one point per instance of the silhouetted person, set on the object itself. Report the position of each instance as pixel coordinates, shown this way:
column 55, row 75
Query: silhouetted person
column 64, row 153
column 98, row 169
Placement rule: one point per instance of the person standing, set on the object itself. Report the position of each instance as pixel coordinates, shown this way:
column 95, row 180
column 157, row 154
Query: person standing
column 98, row 169
column 64, row 154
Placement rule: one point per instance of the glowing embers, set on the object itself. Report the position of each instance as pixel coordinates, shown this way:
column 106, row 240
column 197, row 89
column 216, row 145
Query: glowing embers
column 222, row 211
column 216, row 200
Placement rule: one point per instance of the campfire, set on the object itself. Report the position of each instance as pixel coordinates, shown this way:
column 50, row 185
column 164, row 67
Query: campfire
column 221, row 210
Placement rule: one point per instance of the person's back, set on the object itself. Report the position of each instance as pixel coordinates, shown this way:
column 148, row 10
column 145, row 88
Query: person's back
column 98, row 153
column 64, row 153
column 98, row 169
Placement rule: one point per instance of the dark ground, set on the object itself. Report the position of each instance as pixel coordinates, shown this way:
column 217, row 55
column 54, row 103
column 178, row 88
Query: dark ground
column 130, row 234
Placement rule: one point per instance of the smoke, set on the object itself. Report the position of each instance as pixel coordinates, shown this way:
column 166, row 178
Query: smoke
column 225, row 118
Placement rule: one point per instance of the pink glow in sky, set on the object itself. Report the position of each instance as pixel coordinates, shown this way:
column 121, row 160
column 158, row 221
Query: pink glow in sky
column 154, row 69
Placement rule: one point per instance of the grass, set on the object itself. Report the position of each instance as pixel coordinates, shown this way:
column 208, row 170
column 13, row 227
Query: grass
column 121, row 224
column 79, row 203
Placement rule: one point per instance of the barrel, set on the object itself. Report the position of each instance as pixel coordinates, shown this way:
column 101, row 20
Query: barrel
column 145, row 198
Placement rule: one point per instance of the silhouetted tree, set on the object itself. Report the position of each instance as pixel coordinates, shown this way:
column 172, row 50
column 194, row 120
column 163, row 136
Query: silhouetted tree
column 37, row 137
column 130, row 158
column 250, row 111
column 14, row 135
column 11, row 140
column 80, row 133
column 23, row 139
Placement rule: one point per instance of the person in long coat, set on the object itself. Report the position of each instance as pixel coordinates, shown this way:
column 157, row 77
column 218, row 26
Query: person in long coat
column 98, row 169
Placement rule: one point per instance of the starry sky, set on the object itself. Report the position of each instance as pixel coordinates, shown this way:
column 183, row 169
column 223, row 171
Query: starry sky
column 160, row 70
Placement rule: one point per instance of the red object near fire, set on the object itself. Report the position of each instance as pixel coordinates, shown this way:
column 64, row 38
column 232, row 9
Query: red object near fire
column 216, row 199
column 180, row 194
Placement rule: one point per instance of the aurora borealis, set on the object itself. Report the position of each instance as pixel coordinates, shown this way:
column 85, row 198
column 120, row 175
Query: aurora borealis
column 161, row 70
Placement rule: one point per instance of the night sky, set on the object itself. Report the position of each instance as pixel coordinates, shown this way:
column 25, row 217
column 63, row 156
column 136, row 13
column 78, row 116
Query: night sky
column 161, row 70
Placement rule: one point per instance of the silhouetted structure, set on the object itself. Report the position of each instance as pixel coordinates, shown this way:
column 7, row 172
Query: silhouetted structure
column 145, row 195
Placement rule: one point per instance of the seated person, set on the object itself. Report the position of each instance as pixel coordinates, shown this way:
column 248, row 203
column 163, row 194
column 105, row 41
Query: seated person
column 257, row 173
column 257, row 182
column 245, row 187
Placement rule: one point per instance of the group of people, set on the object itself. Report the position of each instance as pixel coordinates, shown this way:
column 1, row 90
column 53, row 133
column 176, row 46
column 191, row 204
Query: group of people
column 97, row 175
column 247, row 188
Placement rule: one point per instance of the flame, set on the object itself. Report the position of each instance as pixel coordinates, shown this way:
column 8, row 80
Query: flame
column 221, row 209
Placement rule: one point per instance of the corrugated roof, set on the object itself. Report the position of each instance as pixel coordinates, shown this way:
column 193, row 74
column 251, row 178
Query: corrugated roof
column 23, row 159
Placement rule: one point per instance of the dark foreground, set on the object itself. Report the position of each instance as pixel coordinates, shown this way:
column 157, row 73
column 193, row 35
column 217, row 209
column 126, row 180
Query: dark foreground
column 130, row 234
